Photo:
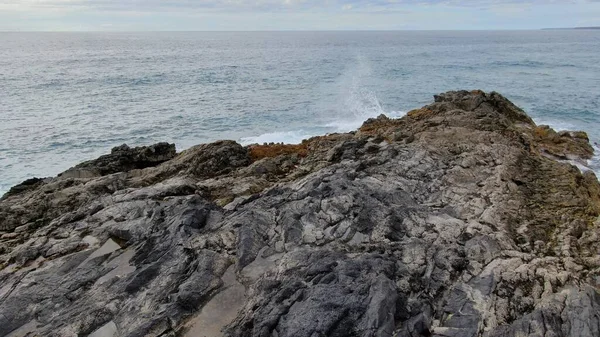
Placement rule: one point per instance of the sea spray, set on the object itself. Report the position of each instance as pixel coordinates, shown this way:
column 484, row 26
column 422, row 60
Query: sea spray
column 355, row 103
column 356, row 100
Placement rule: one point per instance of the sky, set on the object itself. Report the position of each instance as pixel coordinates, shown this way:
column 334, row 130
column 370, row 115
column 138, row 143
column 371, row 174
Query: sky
column 250, row 15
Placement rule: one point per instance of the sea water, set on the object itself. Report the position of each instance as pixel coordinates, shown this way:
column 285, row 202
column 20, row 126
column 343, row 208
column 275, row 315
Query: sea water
column 70, row 97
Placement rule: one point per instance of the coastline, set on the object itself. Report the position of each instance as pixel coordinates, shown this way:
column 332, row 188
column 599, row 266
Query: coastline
column 229, row 97
column 457, row 217
column 294, row 137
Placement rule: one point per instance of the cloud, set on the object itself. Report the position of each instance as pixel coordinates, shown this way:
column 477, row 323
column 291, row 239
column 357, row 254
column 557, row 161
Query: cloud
column 50, row 15
column 259, row 5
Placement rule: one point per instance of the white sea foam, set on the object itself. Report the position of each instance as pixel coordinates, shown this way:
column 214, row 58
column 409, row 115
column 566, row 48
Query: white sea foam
column 595, row 162
column 556, row 124
column 297, row 136
column 286, row 137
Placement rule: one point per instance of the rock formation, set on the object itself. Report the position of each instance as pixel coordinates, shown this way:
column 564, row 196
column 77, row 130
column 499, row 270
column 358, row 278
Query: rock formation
column 462, row 218
column 123, row 159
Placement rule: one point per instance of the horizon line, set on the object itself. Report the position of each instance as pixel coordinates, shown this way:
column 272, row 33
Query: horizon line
column 298, row 30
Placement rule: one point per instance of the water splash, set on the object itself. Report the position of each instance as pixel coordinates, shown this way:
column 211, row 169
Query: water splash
column 354, row 103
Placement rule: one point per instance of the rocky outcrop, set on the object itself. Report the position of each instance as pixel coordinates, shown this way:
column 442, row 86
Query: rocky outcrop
column 451, row 221
column 27, row 185
column 123, row 159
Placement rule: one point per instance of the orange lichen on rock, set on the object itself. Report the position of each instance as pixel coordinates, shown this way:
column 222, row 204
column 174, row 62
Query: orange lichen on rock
column 542, row 131
column 564, row 143
column 258, row 152
column 379, row 125
column 419, row 113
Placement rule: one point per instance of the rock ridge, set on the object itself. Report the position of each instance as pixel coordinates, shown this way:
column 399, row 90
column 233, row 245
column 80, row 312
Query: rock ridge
column 463, row 218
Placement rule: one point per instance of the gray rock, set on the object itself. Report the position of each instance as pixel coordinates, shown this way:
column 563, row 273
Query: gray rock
column 448, row 222
column 123, row 158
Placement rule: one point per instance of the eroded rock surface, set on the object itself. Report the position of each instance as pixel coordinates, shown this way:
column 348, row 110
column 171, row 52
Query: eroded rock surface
column 460, row 219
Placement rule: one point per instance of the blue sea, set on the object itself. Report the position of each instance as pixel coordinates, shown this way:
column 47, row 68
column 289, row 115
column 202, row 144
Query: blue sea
column 69, row 97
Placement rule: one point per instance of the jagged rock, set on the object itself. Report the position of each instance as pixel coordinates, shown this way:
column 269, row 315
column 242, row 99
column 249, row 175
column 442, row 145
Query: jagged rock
column 27, row 185
column 122, row 159
column 564, row 145
column 210, row 160
column 455, row 220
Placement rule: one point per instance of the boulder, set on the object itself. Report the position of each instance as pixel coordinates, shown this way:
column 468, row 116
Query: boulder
column 124, row 158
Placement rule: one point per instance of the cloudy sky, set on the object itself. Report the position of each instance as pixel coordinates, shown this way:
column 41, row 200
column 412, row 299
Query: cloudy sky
column 161, row 15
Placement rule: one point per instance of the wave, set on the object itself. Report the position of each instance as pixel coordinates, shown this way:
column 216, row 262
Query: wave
column 297, row 136
column 595, row 163
column 520, row 63
column 286, row 137
column 557, row 125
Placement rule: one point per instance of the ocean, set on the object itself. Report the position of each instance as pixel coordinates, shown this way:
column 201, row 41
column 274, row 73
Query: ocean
column 70, row 97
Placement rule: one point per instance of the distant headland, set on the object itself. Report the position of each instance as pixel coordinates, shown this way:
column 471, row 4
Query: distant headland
column 572, row 28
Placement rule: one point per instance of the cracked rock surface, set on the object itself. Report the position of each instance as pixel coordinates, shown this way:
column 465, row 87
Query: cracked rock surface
column 462, row 218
